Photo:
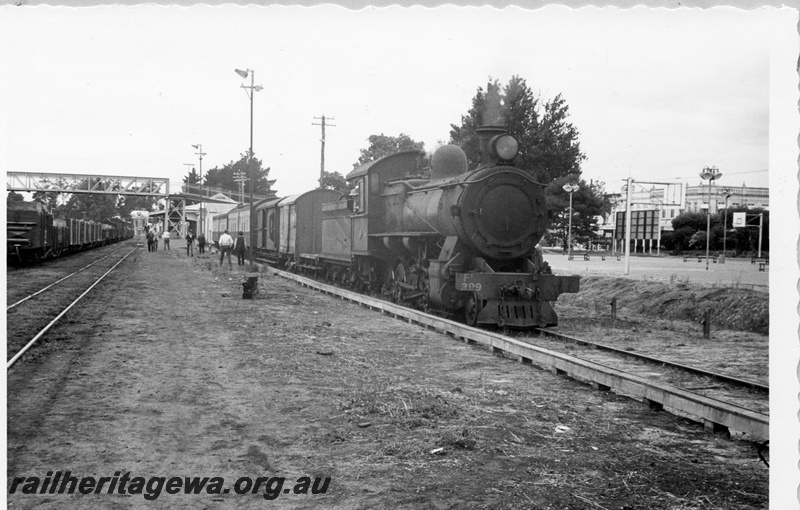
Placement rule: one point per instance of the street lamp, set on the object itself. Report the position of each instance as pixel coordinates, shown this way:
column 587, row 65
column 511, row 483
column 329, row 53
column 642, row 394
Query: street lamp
column 253, row 88
column 570, row 188
column 727, row 194
column 200, row 154
column 710, row 173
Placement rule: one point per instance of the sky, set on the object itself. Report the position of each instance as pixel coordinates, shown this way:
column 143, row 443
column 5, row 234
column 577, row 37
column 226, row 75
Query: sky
column 656, row 94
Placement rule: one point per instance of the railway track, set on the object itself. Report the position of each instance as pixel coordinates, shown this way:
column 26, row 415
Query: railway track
column 716, row 376
column 37, row 309
column 22, row 289
column 608, row 373
column 737, row 391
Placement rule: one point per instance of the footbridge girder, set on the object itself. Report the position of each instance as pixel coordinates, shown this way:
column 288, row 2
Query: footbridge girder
column 87, row 183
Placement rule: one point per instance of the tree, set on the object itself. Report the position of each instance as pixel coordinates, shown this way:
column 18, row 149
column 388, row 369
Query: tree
column 129, row 203
column 192, row 177
column 694, row 220
column 689, row 231
column 588, row 203
column 223, row 177
column 556, row 149
column 549, row 150
column 679, row 239
column 549, row 146
column 383, row 145
column 49, row 198
column 13, row 196
column 335, row 181
column 90, row 206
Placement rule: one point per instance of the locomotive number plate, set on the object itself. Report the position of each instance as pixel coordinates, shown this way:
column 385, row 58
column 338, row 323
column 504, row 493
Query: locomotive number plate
column 470, row 287
column 467, row 282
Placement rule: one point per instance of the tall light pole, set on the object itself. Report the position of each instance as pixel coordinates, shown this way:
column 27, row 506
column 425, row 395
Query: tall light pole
column 186, row 224
column 710, row 173
column 727, row 194
column 200, row 154
column 570, row 188
column 253, row 88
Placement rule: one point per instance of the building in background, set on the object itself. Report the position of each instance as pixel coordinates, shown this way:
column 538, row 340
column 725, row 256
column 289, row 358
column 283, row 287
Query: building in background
column 672, row 201
column 738, row 196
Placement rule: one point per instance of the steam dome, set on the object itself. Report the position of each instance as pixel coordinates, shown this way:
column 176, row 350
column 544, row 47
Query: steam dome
column 448, row 161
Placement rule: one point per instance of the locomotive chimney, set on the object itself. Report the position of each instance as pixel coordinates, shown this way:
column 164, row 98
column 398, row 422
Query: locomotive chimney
column 486, row 133
column 492, row 123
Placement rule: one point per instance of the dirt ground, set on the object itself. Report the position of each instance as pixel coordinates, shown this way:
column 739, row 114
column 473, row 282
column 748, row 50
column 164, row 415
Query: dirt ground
column 170, row 373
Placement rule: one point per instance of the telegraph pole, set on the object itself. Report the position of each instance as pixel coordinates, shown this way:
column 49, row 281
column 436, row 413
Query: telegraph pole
column 322, row 157
column 241, row 177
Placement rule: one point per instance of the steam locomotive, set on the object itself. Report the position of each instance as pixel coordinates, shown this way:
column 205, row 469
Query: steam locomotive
column 33, row 234
column 463, row 242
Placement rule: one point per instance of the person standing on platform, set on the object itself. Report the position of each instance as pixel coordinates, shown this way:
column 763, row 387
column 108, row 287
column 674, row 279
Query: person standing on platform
column 240, row 249
column 150, row 239
column 201, row 243
column 189, row 244
column 166, row 239
column 225, row 246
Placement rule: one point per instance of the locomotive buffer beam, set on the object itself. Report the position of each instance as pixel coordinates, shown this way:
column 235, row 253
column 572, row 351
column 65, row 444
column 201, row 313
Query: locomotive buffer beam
column 492, row 285
column 514, row 299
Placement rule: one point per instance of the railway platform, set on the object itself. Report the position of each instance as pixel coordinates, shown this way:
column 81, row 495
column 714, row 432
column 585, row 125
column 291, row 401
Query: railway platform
column 168, row 372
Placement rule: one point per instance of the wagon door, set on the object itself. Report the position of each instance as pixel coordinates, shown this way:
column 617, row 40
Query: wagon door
column 272, row 229
column 292, row 228
column 283, row 233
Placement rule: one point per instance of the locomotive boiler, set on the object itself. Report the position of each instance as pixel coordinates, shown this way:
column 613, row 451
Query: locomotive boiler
column 458, row 240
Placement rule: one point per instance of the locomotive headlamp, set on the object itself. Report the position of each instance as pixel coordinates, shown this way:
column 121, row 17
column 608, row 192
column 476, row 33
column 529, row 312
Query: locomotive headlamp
column 504, row 146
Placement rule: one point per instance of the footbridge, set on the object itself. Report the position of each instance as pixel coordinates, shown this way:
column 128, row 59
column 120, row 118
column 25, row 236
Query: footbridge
column 175, row 195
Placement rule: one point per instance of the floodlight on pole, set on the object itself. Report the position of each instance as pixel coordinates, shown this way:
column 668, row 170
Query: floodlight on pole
column 200, row 154
column 710, row 173
column 253, row 88
column 570, row 188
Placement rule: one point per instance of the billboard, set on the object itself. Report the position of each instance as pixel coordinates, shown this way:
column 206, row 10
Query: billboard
column 644, row 225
